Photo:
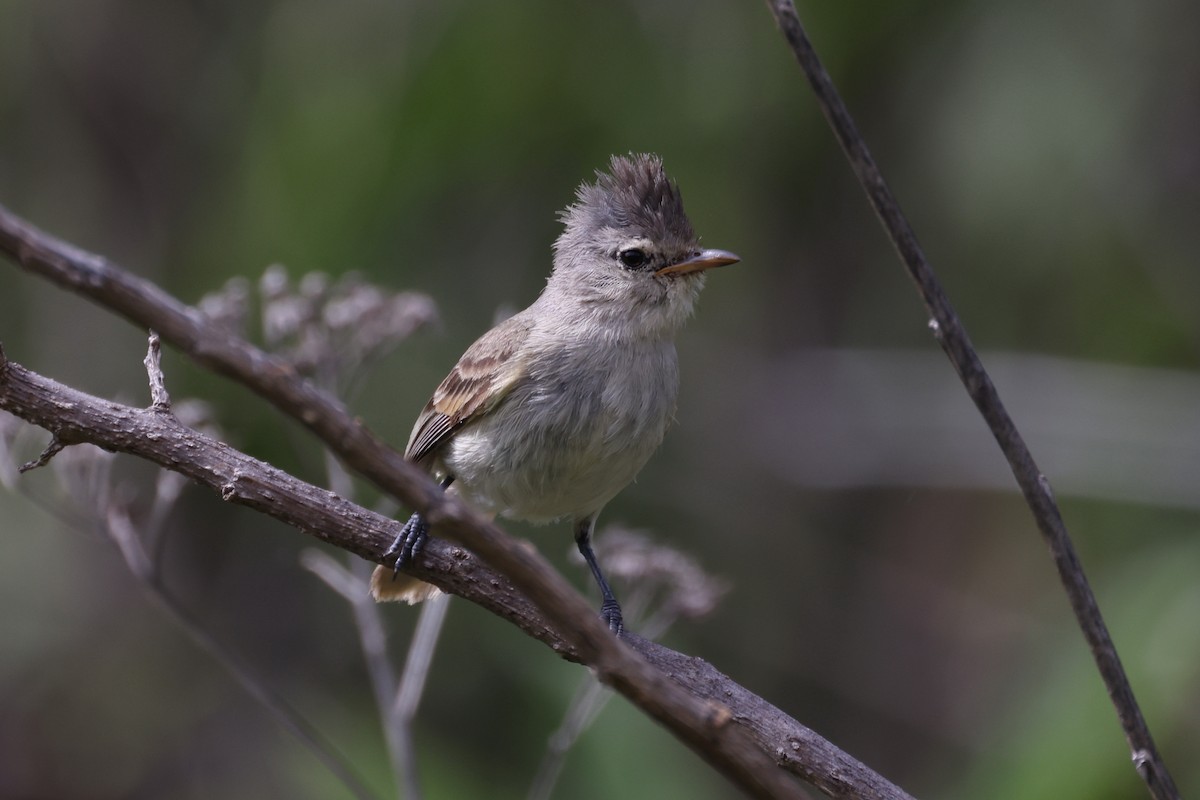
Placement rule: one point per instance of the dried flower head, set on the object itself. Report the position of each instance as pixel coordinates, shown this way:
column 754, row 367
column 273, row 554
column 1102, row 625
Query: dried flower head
column 331, row 329
column 229, row 306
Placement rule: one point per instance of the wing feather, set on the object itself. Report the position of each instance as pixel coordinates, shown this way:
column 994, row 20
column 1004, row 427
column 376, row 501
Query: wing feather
column 482, row 377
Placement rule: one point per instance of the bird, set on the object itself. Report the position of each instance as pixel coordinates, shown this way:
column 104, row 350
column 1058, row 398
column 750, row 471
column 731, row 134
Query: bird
column 554, row 411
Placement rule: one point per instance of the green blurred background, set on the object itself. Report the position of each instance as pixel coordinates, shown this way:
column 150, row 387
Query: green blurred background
column 888, row 587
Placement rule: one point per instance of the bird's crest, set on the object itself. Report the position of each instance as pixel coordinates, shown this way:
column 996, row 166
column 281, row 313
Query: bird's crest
column 636, row 194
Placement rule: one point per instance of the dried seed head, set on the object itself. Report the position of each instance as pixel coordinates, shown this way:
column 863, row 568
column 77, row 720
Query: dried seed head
column 229, row 306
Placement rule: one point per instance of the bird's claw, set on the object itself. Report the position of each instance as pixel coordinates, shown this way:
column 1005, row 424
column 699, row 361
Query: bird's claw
column 610, row 612
column 408, row 544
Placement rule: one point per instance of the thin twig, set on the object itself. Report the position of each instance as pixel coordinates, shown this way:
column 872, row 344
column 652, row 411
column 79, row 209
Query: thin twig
column 373, row 641
column 950, row 333
column 159, row 399
column 335, row 576
column 115, row 525
column 122, row 532
column 118, row 528
column 590, row 698
column 420, row 656
column 412, row 687
column 53, row 448
column 396, row 701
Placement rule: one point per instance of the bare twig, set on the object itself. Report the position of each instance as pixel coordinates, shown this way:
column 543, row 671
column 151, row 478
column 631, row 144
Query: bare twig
column 420, row 655
column 84, row 473
column 86, row 476
column 950, row 333
column 397, row 701
column 590, row 698
column 351, row 583
column 417, row 671
column 373, row 640
column 52, row 449
column 396, row 718
column 159, row 399
column 137, row 555
column 123, row 533
column 412, row 685
column 729, row 726
column 335, row 576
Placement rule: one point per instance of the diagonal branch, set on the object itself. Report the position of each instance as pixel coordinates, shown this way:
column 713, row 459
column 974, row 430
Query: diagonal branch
column 952, row 336
column 736, row 731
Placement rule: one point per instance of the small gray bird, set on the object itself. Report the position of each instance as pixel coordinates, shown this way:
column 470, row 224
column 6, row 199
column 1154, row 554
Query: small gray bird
column 554, row 411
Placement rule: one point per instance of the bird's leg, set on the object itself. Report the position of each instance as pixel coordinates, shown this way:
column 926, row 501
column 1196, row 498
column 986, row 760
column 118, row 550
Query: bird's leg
column 411, row 539
column 610, row 609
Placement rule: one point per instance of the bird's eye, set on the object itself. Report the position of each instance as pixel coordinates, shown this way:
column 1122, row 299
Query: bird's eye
column 633, row 258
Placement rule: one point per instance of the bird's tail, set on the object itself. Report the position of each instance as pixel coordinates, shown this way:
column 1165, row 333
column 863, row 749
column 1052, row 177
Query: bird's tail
column 400, row 588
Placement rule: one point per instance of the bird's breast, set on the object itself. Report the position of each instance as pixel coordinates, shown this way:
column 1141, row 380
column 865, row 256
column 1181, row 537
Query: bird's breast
column 572, row 434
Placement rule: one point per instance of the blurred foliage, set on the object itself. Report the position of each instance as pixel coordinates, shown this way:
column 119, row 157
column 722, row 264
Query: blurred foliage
column 1047, row 153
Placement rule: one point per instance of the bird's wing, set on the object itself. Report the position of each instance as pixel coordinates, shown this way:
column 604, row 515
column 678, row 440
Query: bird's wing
column 482, row 377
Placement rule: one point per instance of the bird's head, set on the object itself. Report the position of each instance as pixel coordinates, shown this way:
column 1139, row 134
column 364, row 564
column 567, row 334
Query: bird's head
column 627, row 239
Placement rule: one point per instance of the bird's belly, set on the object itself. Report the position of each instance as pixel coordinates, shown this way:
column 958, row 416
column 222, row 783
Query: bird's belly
column 542, row 457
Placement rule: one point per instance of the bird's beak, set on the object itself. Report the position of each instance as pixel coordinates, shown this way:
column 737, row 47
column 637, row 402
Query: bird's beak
column 705, row 259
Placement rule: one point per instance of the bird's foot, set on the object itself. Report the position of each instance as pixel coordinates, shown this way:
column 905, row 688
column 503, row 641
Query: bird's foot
column 409, row 543
column 610, row 612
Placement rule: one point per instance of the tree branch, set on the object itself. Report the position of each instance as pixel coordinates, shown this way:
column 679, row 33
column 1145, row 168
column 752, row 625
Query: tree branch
column 950, row 333
column 741, row 734
column 691, row 720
